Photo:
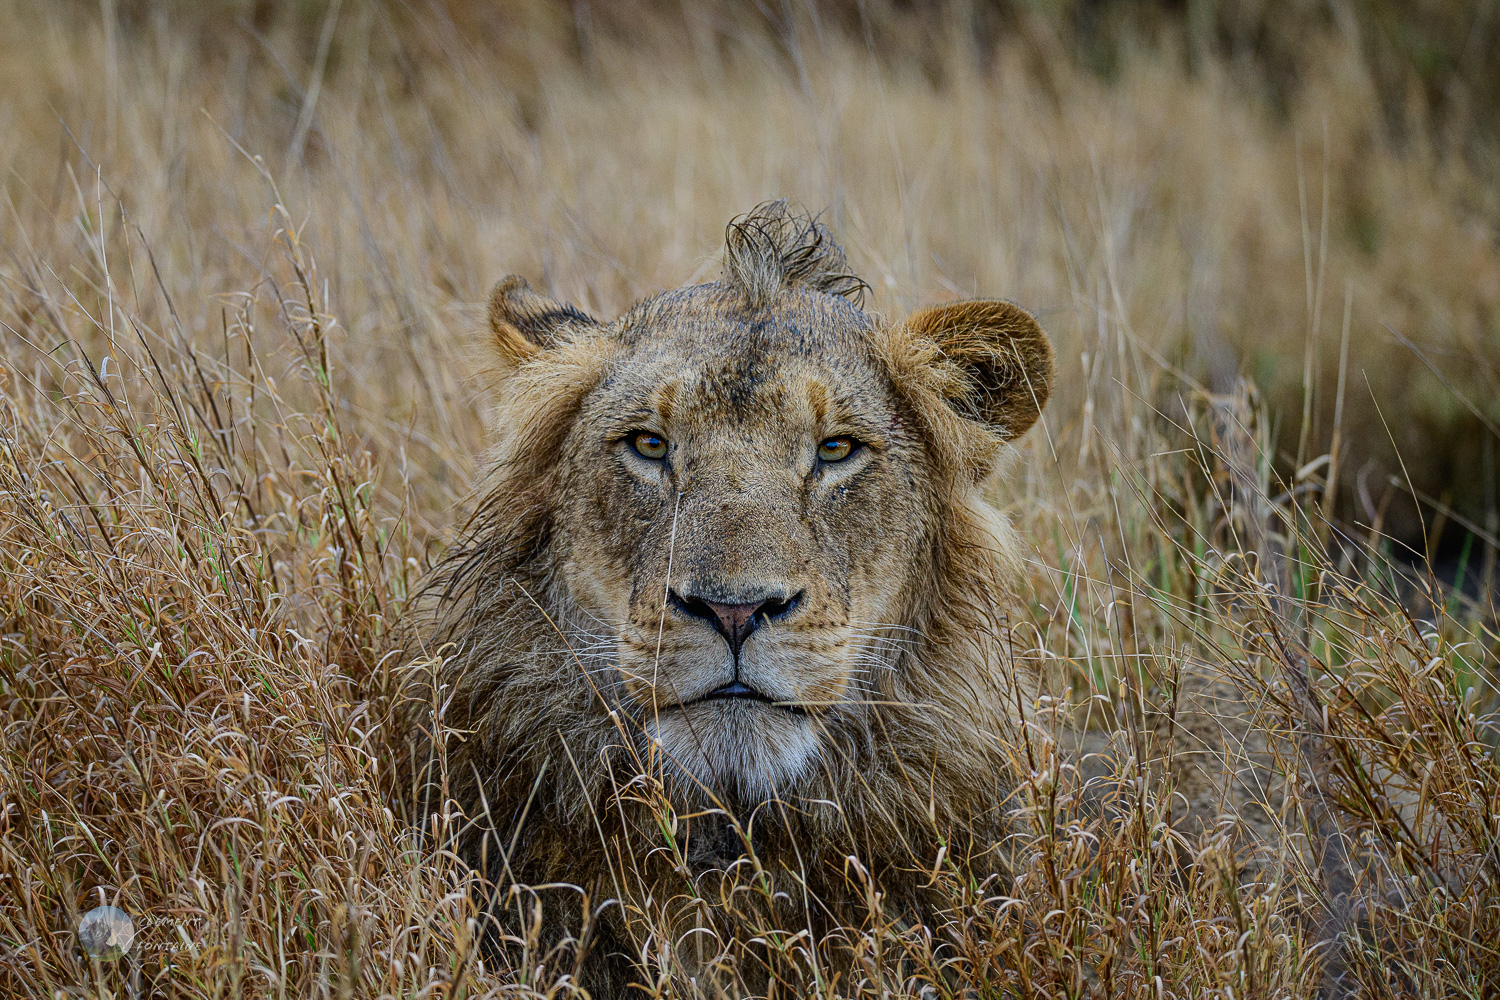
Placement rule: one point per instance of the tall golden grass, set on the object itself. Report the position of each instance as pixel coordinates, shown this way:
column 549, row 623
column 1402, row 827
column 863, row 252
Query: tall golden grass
column 238, row 270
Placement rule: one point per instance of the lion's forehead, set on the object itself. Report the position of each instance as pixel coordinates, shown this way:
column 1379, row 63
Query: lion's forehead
column 700, row 354
column 797, row 323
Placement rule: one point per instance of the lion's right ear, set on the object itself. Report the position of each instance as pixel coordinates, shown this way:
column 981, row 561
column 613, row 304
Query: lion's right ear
column 524, row 323
column 997, row 362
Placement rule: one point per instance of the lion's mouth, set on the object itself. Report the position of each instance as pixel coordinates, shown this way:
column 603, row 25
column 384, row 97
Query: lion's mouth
column 735, row 690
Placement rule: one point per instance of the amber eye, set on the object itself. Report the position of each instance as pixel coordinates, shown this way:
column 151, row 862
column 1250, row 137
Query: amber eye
column 648, row 445
column 835, row 449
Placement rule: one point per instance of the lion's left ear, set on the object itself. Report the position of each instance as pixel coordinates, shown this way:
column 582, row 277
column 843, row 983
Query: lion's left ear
column 524, row 323
column 1003, row 359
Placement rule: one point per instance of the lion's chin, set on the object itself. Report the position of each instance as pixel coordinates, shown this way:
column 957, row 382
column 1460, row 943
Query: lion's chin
column 746, row 750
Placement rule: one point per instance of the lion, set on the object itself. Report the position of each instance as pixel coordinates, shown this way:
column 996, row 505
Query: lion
column 733, row 581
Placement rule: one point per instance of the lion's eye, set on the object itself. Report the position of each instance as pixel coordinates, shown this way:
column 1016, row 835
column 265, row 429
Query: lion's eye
column 835, row 449
column 649, row 446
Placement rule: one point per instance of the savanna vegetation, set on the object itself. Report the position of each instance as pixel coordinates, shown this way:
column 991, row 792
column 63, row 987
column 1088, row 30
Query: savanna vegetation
column 243, row 252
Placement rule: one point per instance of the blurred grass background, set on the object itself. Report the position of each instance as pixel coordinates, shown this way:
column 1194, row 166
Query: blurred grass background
column 242, row 248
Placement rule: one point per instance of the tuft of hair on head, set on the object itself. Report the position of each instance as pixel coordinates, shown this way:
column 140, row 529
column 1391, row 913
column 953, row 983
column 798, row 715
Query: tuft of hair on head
column 774, row 247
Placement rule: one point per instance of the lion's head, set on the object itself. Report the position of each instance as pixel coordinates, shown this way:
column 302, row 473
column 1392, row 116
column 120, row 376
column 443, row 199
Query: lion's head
column 740, row 531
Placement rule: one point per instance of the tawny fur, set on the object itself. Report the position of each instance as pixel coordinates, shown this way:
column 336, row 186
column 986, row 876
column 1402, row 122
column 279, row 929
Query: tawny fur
column 549, row 702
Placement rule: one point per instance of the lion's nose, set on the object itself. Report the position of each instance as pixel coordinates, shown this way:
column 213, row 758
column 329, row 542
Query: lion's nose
column 735, row 622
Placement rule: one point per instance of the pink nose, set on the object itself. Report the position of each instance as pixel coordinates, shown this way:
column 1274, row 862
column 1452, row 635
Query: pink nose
column 735, row 622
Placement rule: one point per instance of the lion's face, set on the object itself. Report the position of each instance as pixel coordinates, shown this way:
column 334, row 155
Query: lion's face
column 744, row 516
column 753, row 497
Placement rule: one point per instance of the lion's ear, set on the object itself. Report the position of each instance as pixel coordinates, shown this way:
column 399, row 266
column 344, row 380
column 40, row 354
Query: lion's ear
column 1003, row 360
column 524, row 323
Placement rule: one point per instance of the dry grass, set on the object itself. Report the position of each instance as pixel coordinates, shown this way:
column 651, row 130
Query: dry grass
column 236, row 292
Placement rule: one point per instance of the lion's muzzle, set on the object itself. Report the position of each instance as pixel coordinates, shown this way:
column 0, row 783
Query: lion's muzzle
column 736, row 620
